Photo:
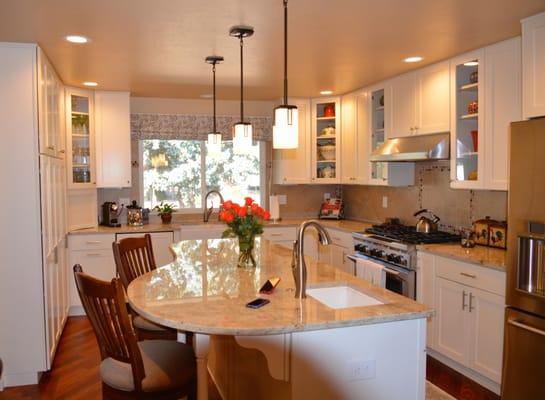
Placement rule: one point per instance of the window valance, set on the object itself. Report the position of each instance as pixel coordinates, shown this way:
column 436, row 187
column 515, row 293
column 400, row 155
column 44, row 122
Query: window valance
column 193, row 127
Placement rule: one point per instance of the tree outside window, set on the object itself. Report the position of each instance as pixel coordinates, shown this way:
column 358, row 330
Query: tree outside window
column 180, row 172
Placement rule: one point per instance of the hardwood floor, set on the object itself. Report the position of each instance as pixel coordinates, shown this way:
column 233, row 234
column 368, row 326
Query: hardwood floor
column 75, row 373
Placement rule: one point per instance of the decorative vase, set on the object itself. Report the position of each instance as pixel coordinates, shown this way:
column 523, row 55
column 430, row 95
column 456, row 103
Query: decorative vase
column 245, row 251
column 475, row 140
column 166, row 218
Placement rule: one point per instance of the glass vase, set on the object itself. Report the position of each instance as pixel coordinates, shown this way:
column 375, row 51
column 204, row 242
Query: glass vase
column 246, row 251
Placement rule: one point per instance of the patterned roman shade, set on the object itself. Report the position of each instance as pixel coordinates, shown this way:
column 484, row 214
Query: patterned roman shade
column 193, row 127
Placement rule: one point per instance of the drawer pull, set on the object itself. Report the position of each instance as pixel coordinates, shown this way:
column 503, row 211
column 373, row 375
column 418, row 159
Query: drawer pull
column 337, row 238
column 93, row 254
column 276, row 234
column 468, row 275
column 529, row 328
column 93, row 242
column 51, row 147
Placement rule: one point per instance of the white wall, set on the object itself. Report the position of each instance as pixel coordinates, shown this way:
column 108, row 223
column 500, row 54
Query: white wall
column 156, row 105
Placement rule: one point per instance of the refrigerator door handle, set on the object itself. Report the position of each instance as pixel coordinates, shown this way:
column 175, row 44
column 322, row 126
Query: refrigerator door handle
column 529, row 328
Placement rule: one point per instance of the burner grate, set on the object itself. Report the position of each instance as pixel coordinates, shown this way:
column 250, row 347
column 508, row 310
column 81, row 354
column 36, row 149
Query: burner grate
column 408, row 234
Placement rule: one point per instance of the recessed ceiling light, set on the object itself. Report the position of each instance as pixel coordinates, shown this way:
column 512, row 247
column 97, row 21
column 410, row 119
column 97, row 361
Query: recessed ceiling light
column 90, row 84
column 471, row 63
column 413, row 59
column 326, row 92
column 76, row 39
column 207, row 96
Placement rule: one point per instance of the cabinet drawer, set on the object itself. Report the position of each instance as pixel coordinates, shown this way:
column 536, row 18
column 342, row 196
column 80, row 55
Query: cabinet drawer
column 341, row 238
column 91, row 242
column 471, row 275
column 279, row 234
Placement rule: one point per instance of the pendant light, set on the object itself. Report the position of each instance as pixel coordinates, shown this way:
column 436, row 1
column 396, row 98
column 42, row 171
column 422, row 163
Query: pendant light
column 242, row 131
column 286, row 117
column 214, row 137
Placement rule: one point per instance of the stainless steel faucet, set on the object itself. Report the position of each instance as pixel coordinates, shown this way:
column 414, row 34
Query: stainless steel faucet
column 298, row 266
column 207, row 212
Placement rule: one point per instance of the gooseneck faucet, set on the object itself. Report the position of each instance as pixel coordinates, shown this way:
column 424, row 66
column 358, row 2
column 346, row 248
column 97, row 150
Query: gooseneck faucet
column 207, row 212
column 299, row 268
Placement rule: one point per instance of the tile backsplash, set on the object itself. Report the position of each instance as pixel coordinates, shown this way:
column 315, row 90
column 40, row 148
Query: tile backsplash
column 456, row 208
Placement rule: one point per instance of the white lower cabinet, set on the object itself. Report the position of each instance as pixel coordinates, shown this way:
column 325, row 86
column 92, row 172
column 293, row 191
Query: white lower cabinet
column 95, row 255
column 336, row 253
column 469, row 301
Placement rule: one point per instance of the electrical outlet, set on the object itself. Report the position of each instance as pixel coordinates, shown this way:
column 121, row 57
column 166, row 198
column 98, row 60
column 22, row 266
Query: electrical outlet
column 282, row 199
column 327, row 196
column 125, row 201
column 361, row 370
column 384, row 201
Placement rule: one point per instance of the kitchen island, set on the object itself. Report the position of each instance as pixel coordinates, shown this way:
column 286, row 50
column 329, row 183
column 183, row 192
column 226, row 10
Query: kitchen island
column 290, row 348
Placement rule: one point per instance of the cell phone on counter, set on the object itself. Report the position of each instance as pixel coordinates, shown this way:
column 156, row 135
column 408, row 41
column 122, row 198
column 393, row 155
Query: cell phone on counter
column 269, row 286
column 258, row 303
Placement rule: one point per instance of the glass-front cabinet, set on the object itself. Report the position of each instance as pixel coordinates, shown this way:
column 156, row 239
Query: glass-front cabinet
column 80, row 138
column 378, row 170
column 467, row 122
column 326, row 136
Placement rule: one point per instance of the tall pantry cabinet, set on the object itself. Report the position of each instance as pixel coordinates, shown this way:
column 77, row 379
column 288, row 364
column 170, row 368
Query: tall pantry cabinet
column 33, row 274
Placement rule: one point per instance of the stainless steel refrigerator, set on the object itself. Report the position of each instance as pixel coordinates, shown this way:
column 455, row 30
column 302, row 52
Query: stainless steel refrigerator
column 524, row 341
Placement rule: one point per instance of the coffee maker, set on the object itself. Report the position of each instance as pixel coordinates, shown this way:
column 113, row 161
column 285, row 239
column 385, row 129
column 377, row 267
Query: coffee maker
column 110, row 214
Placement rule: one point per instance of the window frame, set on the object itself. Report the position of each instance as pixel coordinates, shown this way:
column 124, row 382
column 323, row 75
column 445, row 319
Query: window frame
column 197, row 210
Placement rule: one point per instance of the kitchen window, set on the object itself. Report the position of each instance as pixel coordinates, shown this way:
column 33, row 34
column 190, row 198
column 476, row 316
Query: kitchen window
column 180, row 172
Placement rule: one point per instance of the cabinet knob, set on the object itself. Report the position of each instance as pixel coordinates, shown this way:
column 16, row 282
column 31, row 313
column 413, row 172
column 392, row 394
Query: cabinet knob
column 51, row 147
column 61, row 151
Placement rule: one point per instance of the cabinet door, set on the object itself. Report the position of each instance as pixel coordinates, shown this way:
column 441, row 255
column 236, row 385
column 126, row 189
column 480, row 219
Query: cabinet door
column 112, row 139
column 425, row 290
column 502, row 106
column 161, row 242
column 292, row 166
column 326, row 140
column 451, row 302
column 533, row 65
column 324, row 253
column 402, row 106
column 487, row 310
column 349, row 154
column 97, row 263
column 433, row 99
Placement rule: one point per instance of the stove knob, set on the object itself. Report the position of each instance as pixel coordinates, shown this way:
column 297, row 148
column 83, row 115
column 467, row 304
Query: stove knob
column 397, row 260
column 365, row 249
column 402, row 261
column 391, row 257
column 377, row 253
column 358, row 247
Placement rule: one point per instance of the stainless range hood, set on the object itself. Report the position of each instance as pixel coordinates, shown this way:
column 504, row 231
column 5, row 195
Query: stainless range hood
column 414, row 148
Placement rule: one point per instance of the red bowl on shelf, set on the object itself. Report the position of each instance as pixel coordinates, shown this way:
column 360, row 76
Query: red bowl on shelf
column 329, row 110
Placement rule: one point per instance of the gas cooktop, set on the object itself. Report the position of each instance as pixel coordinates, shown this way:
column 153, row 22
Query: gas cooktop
column 408, row 234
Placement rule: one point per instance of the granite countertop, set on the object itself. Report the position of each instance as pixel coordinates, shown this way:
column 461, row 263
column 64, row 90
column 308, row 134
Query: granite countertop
column 480, row 255
column 127, row 229
column 343, row 225
column 204, row 291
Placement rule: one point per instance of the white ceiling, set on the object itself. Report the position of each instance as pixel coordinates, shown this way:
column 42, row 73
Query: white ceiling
column 156, row 48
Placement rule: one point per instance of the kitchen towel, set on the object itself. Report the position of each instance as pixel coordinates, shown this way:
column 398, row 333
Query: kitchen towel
column 371, row 271
column 274, row 207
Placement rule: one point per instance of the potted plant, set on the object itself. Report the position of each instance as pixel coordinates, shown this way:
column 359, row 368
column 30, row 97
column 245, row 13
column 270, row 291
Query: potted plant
column 165, row 211
column 244, row 222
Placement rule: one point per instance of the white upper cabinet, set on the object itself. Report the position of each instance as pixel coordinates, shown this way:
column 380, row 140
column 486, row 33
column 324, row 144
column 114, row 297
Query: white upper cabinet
column 533, row 62
column 50, row 109
column 402, row 105
column 502, row 105
column 326, row 140
column 293, row 166
column 420, row 102
column 433, row 99
column 112, row 139
column 353, row 144
column 486, row 98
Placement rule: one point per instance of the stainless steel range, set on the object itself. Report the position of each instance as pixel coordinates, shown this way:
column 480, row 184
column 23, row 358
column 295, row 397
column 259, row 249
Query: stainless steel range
column 394, row 246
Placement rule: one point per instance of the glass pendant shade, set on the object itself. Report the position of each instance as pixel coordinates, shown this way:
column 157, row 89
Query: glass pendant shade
column 242, row 137
column 214, row 144
column 286, row 127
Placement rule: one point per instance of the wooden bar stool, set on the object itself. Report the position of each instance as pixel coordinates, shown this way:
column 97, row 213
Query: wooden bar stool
column 134, row 257
column 149, row 369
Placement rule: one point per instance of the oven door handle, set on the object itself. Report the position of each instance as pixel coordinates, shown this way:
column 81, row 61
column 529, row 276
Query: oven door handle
column 529, row 328
column 387, row 270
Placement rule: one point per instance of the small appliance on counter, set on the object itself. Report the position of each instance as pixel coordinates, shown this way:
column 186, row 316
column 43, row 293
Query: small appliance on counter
column 332, row 208
column 134, row 215
column 110, row 214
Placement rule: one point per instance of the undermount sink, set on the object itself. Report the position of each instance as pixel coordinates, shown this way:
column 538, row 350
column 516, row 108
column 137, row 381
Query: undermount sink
column 342, row 297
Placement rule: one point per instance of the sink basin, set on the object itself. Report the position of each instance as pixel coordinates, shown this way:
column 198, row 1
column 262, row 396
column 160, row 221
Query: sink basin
column 342, row 297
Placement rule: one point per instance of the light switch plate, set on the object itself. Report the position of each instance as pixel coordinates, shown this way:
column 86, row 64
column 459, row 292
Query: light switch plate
column 327, row 196
column 282, row 199
column 384, row 201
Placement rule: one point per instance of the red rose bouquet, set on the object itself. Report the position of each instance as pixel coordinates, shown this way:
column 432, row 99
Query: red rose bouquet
column 244, row 221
